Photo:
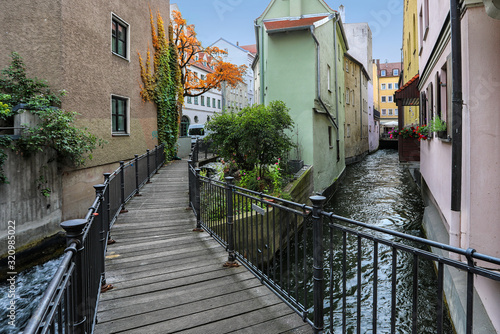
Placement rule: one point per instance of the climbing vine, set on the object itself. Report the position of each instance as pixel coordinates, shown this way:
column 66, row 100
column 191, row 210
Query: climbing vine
column 162, row 85
column 53, row 127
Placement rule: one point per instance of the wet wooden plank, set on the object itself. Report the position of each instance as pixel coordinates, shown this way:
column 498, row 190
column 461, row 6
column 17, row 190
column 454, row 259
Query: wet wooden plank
column 168, row 279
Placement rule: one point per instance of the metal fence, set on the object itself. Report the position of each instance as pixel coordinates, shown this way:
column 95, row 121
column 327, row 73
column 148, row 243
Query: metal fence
column 69, row 305
column 314, row 260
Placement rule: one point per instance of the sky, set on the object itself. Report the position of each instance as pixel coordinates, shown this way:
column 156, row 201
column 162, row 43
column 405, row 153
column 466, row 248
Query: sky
column 233, row 20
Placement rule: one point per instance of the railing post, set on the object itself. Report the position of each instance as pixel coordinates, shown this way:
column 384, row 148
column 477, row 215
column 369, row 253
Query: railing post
column 149, row 168
column 122, row 186
column 74, row 234
column 99, row 190
column 197, row 200
column 318, row 285
column 107, row 207
column 231, row 259
column 190, row 184
column 156, row 159
column 136, row 163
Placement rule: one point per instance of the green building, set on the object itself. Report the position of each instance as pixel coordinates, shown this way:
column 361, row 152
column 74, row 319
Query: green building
column 300, row 52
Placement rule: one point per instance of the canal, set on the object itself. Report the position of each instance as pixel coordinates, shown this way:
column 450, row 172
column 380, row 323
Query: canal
column 380, row 192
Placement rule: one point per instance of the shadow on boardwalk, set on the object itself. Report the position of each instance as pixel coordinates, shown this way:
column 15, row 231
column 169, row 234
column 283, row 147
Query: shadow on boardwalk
column 168, row 279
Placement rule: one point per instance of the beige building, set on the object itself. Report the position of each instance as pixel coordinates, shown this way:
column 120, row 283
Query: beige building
column 356, row 110
column 90, row 49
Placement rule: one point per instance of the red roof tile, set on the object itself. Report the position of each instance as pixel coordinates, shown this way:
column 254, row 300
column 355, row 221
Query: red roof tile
column 284, row 24
column 250, row 48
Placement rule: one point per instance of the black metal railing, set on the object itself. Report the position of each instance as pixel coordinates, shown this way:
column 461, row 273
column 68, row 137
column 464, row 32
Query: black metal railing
column 69, row 305
column 202, row 148
column 315, row 260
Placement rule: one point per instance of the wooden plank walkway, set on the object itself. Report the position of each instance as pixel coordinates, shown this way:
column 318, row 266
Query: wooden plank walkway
column 168, row 279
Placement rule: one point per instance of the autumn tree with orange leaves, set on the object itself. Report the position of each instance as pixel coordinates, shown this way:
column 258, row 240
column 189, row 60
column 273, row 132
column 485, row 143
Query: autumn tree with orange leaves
column 162, row 84
column 188, row 47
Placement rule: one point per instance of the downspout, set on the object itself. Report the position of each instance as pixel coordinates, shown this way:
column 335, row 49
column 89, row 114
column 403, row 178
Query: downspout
column 361, row 104
column 318, row 79
column 260, row 39
column 336, row 83
column 457, row 103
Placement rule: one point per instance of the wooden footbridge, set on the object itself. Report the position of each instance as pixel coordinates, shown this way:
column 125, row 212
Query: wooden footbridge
column 168, row 279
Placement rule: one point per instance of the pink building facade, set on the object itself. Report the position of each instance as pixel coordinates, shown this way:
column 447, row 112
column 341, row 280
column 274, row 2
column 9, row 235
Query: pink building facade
column 473, row 222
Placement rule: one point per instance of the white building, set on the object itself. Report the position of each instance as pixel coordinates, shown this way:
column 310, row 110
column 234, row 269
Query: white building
column 243, row 95
column 199, row 109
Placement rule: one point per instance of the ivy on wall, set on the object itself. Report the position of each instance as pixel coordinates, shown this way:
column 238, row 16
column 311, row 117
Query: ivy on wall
column 162, row 85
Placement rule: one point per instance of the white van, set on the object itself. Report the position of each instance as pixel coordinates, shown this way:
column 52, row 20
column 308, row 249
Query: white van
column 196, row 131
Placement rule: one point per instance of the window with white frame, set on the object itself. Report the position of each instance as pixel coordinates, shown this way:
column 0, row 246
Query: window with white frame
column 384, row 99
column 389, row 98
column 389, row 86
column 383, row 86
column 390, row 112
column 395, row 72
column 119, row 115
column 383, row 73
column 119, row 37
column 384, row 112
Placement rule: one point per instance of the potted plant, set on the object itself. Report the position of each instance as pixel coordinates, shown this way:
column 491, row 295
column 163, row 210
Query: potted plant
column 439, row 126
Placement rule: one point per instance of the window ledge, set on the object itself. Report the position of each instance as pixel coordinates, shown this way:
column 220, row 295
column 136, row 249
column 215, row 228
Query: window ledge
column 445, row 140
column 120, row 56
column 120, row 134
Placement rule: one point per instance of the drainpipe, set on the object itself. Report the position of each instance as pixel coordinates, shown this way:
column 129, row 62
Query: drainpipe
column 318, row 82
column 457, row 103
column 336, row 83
column 259, row 36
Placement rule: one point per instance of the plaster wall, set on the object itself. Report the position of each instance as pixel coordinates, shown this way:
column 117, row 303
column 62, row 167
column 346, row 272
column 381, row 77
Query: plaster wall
column 359, row 36
column 291, row 61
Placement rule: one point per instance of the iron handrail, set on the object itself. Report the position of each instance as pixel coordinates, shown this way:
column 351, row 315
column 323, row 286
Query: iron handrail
column 81, row 248
column 260, row 229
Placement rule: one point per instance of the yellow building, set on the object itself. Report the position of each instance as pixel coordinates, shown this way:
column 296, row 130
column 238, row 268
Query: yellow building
column 388, row 84
column 410, row 73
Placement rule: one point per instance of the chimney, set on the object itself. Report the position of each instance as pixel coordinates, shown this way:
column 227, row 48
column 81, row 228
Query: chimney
column 237, row 43
column 342, row 13
column 295, row 8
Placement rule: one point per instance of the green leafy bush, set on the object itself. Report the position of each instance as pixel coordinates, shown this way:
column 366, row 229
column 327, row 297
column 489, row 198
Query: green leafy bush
column 54, row 128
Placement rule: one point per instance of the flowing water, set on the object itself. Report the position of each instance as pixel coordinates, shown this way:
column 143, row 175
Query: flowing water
column 380, row 192
column 29, row 285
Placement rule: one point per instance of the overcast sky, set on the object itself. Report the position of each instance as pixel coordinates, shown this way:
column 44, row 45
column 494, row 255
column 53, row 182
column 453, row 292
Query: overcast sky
column 233, row 20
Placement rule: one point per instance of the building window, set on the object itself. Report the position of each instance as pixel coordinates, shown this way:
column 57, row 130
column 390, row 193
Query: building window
column 189, row 100
column 390, row 98
column 383, row 73
column 347, row 65
column 384, row 112
column 383, row 86
column 329, row 77
column 330, row 137
column 213, row 102
column 396, row 111
column 118, row 114
column 208, row 102
column 390, row 112
column 395, row 72
column 203, row 100
column 396, row 86
column 196, row 119
column 352, row 97
column 196, row 100
column 389, row 86
column 119, row 37
column 218, row 104
column 208, row 118
column 184, row 126
column 384, row 99
column 347, row 96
